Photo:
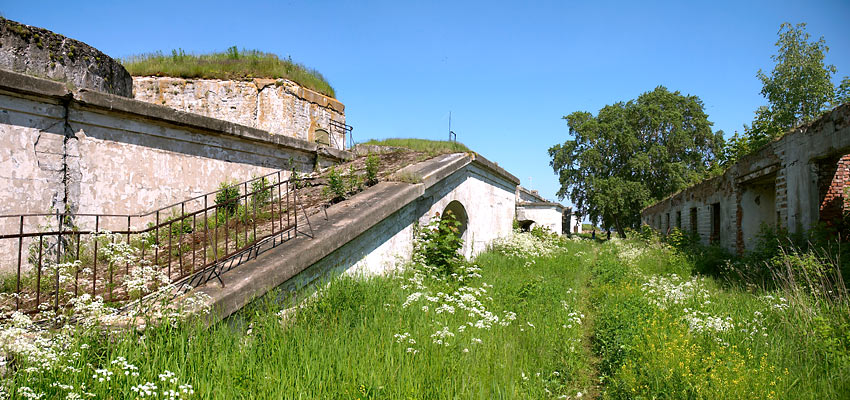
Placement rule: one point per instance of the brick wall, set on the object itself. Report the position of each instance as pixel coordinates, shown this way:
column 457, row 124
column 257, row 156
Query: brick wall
column 833, row 176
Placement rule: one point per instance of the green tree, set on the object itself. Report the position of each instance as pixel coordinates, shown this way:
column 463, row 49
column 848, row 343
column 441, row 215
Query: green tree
column 798, row 90
column 631, row 154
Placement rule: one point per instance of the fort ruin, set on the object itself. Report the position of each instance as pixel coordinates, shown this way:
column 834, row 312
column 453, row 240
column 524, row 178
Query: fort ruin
column 78, row 157
column 792, row 183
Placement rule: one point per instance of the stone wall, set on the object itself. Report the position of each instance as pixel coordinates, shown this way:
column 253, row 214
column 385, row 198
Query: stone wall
column 40, row 52
column 791, row 183
column 89, row 152
column 280, row 106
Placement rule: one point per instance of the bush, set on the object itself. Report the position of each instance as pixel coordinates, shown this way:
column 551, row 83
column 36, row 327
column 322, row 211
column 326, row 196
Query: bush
column 372, row 164
column 227, row 197
column 261, row 192
column 336, row 187
column 354, row 182
column 439, row 242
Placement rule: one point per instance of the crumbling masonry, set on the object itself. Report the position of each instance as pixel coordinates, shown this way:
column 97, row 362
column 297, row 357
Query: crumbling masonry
column 792, row 183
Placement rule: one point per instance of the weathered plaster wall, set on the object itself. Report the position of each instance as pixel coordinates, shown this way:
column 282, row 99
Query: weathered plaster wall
column 549, row 216
column 574, row 223
column 280, row 106
column 87, row 152
column 791, row 183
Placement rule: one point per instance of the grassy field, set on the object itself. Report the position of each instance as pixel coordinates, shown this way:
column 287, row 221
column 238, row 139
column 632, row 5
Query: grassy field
column 230, row 64
column 530, row 319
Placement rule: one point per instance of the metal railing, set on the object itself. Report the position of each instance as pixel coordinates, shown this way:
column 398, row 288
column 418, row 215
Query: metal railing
column 345, row 129
column 57, row 256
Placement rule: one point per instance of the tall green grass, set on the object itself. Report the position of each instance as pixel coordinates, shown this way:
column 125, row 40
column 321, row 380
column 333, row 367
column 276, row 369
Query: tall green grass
column 432, row 147
column 342, row 343
column 618, row 320
column 230, row 64
column 664, row 332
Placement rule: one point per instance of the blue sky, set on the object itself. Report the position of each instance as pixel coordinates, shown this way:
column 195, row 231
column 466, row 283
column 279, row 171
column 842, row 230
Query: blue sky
column 508, row 71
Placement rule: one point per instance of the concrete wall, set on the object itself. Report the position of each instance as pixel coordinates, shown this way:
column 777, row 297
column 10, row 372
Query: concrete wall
column 533, row 208
column 575, row 224
column 40, row 52
column 546, row 215
column 791, row 183
column 280, row 106
column 88, row 152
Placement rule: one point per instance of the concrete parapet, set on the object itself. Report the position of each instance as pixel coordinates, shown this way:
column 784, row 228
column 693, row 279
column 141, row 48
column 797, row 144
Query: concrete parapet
column 40, row 52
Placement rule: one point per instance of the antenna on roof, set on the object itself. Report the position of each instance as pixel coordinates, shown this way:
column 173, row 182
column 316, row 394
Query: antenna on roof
column 452, row 135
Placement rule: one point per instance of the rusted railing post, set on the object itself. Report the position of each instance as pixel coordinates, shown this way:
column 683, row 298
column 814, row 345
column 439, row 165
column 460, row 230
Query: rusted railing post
column 20, row 251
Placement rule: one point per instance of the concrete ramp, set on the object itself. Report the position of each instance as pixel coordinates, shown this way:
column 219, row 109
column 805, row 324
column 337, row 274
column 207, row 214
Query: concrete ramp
column 372, row 232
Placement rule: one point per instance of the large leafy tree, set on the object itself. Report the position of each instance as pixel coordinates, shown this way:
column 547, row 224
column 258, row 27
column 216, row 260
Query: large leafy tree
column 632, row 154
column 798, row 90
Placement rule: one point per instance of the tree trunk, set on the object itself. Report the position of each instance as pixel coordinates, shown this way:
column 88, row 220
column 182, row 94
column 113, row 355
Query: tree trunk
column 620, row 231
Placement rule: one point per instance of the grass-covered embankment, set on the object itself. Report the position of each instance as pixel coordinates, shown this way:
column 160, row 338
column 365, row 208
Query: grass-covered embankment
column 430, row 147
column 231, row 64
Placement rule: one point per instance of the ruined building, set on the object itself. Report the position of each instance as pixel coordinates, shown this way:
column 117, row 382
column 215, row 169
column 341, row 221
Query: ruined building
column 792, row 183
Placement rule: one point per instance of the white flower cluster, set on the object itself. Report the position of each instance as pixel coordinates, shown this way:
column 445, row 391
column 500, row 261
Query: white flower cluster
column 699, row 321
column 573, row 318
column 525, row 245
column 628, row 252
column 775, row 302
column 466, row 301
column 441, row 336
column 753, row 328
column 665, row 291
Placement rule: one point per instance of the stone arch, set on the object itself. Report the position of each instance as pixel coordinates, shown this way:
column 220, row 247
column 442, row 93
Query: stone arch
column 456, row 210
column 526, row 225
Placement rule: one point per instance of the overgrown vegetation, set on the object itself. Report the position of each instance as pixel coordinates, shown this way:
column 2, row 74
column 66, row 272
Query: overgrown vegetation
column 536, row 316
column 430, row 147
column 230, row 64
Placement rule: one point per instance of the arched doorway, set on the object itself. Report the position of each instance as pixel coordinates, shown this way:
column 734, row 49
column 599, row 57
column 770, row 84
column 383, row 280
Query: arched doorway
column 526, row 225
column 457, row 211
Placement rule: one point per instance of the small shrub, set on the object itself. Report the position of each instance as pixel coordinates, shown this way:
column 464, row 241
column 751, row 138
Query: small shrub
column 372, row 164
column 355, row 184
column 227, row 198
column 336, row 188
column 261, row 192
column 438, row 244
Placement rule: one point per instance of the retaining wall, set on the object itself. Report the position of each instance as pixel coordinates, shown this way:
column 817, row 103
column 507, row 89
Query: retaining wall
column 90, row 152
column 278, row 106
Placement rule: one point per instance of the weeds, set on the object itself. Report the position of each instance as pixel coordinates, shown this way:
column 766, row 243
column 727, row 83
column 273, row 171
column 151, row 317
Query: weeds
column 372, row 165
column 430, row 147
column 230, row 64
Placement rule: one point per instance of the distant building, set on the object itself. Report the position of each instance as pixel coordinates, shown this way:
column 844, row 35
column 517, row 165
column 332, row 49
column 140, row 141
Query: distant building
column 534, row 210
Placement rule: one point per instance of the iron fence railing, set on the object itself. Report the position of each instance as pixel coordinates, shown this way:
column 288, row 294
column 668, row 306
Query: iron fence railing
column 345, row 129
column 55, row 257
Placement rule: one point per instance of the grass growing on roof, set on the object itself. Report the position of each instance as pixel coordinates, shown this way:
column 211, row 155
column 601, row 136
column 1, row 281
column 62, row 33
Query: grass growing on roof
column 432, row 147
column 230, row 64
